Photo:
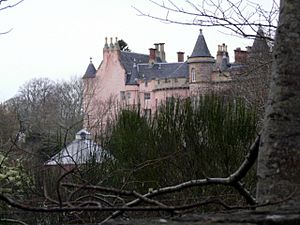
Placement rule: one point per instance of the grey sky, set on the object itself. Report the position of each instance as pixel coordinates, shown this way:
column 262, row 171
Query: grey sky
column 55, row 38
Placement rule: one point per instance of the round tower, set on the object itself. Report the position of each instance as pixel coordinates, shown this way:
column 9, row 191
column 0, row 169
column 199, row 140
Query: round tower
column 201, row 65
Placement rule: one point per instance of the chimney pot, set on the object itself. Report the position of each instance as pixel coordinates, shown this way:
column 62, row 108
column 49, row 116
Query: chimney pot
column 240, row 56
column 180, row 56
column 152, row 55
column 162, row 53
column 157, row 50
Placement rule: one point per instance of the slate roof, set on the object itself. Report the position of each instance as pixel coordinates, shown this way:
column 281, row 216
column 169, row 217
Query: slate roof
column 181, row 71
column 129, row 60
column 90, row 71
column 224, row 64
column 260, row 43
column 137, row 67
column 162, row 70
column 200, row 48
column 79, row 151
column 235, row 67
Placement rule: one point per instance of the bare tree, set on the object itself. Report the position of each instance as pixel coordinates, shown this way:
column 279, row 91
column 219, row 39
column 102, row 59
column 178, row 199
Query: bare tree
column 279, row 156
column 242, row 18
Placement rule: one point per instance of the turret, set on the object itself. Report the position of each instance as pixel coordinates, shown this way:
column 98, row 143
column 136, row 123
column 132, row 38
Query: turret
column 260, row 49
column 90, row 71
column 200, row 62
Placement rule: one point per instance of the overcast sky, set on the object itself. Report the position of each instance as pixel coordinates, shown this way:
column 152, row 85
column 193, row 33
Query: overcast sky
column 56, row 38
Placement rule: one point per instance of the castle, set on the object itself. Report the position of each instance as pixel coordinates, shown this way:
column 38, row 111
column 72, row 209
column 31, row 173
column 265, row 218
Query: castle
column 129, row 78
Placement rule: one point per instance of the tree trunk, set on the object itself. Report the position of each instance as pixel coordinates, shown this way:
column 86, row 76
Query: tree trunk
column 279, row 156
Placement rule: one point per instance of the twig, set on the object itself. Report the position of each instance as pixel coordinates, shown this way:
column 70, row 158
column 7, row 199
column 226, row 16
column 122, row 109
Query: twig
column 13, row 221
column 11, row 6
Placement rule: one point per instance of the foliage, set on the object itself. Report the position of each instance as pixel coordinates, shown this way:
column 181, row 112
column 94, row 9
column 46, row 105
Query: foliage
column 9, row 125
column 13, row 178
column 123, row 46
column 204, row 136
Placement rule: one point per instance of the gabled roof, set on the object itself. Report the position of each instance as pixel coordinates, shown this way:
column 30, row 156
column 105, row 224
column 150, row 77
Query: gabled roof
column 90, row 71
column 201, row 49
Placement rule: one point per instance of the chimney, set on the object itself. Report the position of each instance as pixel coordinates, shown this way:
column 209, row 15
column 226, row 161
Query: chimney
column 240, row 56
column 152, row 55
column 162, row 53
column 157, row 50
column 221, row 53
column 180, row 56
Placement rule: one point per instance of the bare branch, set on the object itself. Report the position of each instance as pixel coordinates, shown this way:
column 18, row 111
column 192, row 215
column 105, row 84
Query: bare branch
column 10, row 6
column 13, row 220
column 6, row 32
column 231, row 15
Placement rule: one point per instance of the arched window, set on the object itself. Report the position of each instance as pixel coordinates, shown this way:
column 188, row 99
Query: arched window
column 193, row 75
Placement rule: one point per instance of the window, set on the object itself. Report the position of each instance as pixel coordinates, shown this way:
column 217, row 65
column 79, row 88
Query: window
column 122, row 95
column 128, row 95
column 158, row 81
column 147, row 95
column 146, row 83
column 176, row 80
column 193, row 75
column 166, row 80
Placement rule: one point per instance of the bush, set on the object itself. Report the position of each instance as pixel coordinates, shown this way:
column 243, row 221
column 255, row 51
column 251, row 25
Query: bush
column 205, row 136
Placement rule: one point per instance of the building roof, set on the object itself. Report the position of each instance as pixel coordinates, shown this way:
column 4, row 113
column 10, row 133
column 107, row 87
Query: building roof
column 90, row 71
column 129, row 60
column 201, row 49
column 181, row 71
column 162, row 70
column 260, row 43
column 224, row 64
column 79, row 151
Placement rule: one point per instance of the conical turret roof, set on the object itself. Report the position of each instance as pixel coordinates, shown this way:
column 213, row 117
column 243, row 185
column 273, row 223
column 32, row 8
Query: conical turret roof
column 90, row 71
column 201, row 49
column 260, row 42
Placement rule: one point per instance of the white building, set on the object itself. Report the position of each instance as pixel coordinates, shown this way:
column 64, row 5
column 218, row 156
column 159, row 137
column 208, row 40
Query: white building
column 79, row 151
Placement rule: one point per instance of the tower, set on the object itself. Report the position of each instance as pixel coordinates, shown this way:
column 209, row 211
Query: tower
column 201, row 65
